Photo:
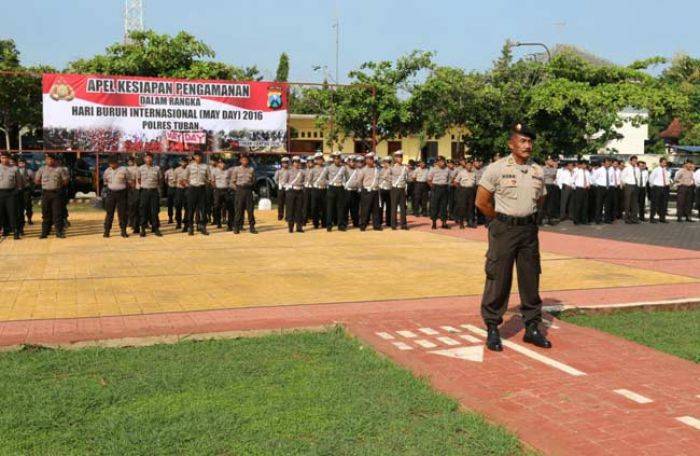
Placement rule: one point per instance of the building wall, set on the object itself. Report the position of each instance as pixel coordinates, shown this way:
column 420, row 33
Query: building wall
column 634, row 137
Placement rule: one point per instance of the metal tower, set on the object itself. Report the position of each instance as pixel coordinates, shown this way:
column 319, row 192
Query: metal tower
column 133, row 17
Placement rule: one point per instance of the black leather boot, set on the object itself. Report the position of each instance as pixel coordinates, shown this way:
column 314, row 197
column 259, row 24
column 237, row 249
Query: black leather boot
column 535, row 337
column 434, row 226
column 493, row 338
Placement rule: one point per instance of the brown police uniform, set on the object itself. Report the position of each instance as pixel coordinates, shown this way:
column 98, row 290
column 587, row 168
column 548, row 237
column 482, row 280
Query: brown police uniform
column 336, row 176
column 10, row 185
column 439, row 179
column 399, row 182
column 421, row 191
column 369, row 197
column 52, row 180
column 513, row 239
column 150, row 179
column 294, row 186
column 117, row 182
column 197, row 178
column 242, row 180
column 465, row 193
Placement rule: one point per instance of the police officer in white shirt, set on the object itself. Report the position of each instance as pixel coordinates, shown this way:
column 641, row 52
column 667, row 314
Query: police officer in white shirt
column 642, row 190
column 600, row 180
column 659, row 189
column 582, row 184
column 631, row 180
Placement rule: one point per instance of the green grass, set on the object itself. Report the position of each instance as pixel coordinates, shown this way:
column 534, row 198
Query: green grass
column 674, row 332
column 302, row 393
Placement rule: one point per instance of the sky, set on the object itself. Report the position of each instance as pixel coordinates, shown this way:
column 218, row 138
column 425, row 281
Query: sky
column 467, row 33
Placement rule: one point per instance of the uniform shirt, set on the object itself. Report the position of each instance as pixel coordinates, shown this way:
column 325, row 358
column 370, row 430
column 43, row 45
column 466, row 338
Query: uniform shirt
column 550, row 175
column 294, row 179
column 439, row 176
column 465, row 178
column 27, row 176
column 684, row 177
column 170, row 179
column 279, row 176
column 10, row 178
column 660, row 177
column 197, row 175
column 516, row 188
column 399, row 175
column 317, row 177
column 581, row 178
column 630, row 175
column 565, row 178
column 116, row 179
column 354, row 179
column 51, row 177
column 600, row 177
column 420, row 174
column 220, row 177
column 336, row 175
column 149, row 176
column 133, row 175
column 242, row 176
column 370, row 178
column 179, row 175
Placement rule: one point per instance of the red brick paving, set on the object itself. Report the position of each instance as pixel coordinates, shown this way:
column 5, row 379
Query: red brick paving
column 549, row 409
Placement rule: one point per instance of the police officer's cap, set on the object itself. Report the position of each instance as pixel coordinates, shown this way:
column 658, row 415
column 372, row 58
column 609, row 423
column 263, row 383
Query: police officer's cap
column 386, row 159
column 359, row 158
column 303, row 160
column 398, row 153
column 370, row 155
column 523, row 130
column 296, row 158
column 440, row 158
column 285, row 159
column 318, row 155
column 336, row 154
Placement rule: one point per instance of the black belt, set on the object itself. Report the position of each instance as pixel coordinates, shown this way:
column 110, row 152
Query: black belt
column 517, row 221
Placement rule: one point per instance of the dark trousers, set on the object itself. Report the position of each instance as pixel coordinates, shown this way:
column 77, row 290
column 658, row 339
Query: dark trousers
column 565, row 203
column 642, row 202
column 552, row 202
column 295, row 207
column 353, row 206
column 398, row 202
column 451, row 202
column 24, row 207
column 601, row 204
column 51, row 211
column 243, row 203
column 684, row 201
column 180, row 204
column 385, row 201
column 579, row 205
column 369, row 207
column 631, row 202
column 421, row 191
column 464, row 204
column 697, row 200
column 508, row 245
column 133, row 201
column 306, row 198
column 335, row 207
column 208, row 203
column 318, row 207
column 281, row 199
column 116, row 199
column 170, row 202
column 438, row 203
column 196, row 200
column 659, row 202
column 220, row 204
column 150, row 206
column 8, row 211
column 231, row 206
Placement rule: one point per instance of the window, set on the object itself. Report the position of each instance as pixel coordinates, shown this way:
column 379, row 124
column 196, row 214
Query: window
column 393, row 146
column 306, row 146
column 362, row 147
column 429, row 152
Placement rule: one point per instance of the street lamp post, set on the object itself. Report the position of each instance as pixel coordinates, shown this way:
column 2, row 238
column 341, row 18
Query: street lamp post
column 520, row 43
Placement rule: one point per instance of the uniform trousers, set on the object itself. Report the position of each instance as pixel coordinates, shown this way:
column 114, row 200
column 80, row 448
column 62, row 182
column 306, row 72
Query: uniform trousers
column 369, row 207
column 579, row 205
column 552, row 202
column 196, row 202
column 508, row 245
column 631, row 202
column 180, row 204
column 565, row 202
column 8, row 211
column 659, row 202
column 642, row 202
column 116, row 199
column 170, row 202
column 281, row 199
column 684, row 201
column 421, row 191
column 385, row 201
column 353, row 206
column 133, row 201
column 295, row 207
column 150, row 206
column 398, row 203
column 464, row 204
column 335, row 207
column 318, row 207
column 243, row 202
column 438, row 203
column 220, row 204
column 51, row 211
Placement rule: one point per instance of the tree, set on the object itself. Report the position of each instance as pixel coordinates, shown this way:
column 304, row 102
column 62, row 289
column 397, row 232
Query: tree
column 283, row 68
column 156, row 55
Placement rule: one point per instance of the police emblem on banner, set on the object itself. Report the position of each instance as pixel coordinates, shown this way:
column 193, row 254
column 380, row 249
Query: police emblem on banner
column 274, row 97
column 61, row 90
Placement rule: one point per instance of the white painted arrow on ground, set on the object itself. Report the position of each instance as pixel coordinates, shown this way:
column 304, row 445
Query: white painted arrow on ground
column 474, row 353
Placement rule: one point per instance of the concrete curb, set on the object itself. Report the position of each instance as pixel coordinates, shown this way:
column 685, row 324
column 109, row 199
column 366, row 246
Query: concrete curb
column 647, row 306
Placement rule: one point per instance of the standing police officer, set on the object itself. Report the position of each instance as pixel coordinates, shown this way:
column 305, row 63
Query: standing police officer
column 52, row 179
column 317, row 184
column 510, row 192
column 439, row 179
column 242, row 181
column 133, row 198
column 116, row 178
column 150, row 179
column 180, row 194
column 336, row 174
column 10, row 185
column 25, row 197
column 170, row 190
column 197, row 177
column 399, row 182
column 369, row 196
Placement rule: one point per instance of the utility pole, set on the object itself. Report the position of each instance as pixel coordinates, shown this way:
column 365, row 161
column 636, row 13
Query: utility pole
column 336, row 26
column 133, row 18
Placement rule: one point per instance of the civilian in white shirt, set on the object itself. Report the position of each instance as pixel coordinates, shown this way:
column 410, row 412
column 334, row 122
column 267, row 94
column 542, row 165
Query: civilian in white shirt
column 642, row 190
column 616, row 171
column 659, row 189
column 565, row 181
column 601, row 181
column 582, row 185
column 631, row 181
